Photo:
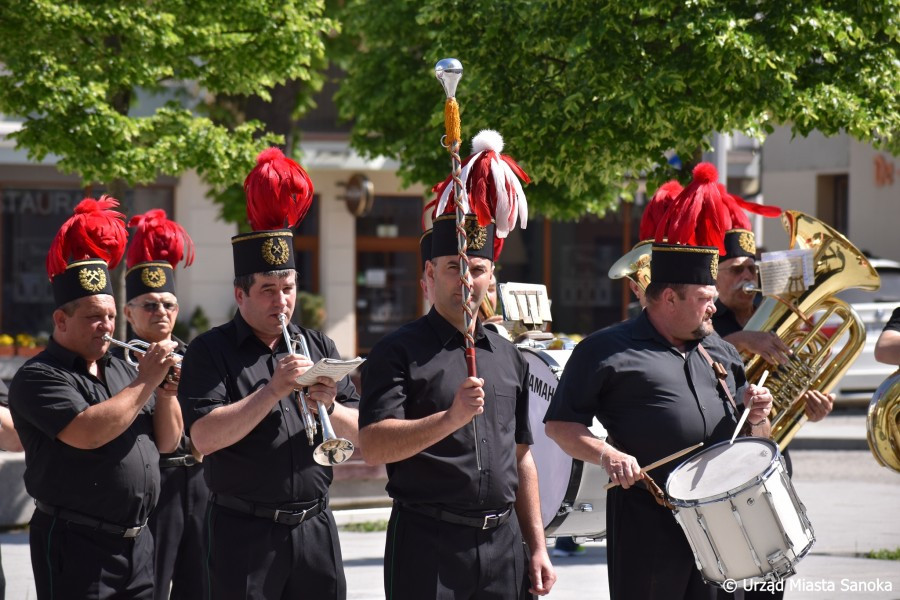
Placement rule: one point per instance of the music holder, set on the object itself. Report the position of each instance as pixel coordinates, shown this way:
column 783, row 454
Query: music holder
column 786, row 272
column 525, row 303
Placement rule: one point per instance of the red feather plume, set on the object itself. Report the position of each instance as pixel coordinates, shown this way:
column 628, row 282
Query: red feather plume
column 158, row 238
column 656, row 208
column 697, row 217
column 94, row 231
column 279, row 192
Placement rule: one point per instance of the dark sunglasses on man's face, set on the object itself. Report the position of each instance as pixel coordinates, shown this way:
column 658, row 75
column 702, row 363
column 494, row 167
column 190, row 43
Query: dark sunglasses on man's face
column 736, row 270
column 152, row 307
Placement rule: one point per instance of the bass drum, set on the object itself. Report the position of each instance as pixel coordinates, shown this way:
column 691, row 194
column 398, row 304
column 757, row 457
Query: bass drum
column 573, row 501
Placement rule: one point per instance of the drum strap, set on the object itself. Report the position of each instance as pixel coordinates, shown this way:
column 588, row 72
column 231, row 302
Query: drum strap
column 722, row 378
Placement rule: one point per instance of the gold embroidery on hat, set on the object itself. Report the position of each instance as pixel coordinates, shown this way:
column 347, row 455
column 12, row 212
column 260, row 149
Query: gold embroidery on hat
column 714, row 267
column 746, row 242
column 92, row 280
column 153, row 277
column 275, row 251
column 476, row 235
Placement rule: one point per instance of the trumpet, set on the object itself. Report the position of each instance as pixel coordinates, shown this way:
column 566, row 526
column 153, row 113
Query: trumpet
column 333, row 450
column 141, row 346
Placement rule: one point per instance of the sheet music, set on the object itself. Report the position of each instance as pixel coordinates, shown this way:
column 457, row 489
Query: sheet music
column 332, row 368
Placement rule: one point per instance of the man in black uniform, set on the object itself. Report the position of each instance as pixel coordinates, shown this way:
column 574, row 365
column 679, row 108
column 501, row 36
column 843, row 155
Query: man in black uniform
column 647, row 381
column 887, row 349
column 91, row 434
column 157, row 245
column 462, row 504
column 271, row 533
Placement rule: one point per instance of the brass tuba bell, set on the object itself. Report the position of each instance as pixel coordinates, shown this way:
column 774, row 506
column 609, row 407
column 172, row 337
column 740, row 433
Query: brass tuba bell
column 798, row 319
column 883, row 423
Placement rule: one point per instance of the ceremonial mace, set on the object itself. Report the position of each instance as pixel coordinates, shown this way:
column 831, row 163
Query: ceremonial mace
column 449, row 71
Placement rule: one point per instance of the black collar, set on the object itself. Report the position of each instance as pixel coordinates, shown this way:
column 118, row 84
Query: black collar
column 447, row 333
column 72, row 360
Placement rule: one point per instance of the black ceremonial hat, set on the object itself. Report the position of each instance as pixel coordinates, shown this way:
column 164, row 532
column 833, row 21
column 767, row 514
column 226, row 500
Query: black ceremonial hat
column 739, row 242
column 262, row 251
column 87, row 277
column 149, row 277
column 678, row 263
column 479, row 239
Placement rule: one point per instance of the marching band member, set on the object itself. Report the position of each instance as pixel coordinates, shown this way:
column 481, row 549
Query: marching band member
column 91, row 434
column 735, row 306
column 271, row 533
column 455, row 530
column 652, row 385
column 157, row 245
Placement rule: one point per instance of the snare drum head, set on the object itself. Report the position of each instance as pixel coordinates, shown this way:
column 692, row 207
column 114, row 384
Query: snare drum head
column 721, row 469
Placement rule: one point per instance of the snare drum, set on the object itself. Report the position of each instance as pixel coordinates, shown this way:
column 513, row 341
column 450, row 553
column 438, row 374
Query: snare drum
column 740, row 513
column 573, row 501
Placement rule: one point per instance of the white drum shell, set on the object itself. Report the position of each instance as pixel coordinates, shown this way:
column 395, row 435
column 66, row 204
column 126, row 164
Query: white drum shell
column 573, row 501
column 756, row 531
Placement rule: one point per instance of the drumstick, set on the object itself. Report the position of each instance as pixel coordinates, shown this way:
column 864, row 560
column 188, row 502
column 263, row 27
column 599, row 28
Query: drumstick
column 660, row 462
column 743, row 419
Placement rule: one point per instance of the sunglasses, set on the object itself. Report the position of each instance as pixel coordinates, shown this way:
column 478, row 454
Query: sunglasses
column 152, row 307
column 738, row 269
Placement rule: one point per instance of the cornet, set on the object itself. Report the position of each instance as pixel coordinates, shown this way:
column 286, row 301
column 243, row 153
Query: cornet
column 141, row 346
column 333, row 450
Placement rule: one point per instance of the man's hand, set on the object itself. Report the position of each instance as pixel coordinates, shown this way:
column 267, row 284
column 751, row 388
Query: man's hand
column 288, row 369
column 325, row 391
column 622, row 468
column 764, row 343
column 541, row 573
column 818, row 405
column 759, row 399
column 468, row 401
column 154, row 365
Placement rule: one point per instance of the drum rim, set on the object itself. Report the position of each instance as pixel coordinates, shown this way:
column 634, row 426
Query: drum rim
column 762, row 476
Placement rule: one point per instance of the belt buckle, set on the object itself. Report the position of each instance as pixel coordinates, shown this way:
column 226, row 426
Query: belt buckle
column 133, row 532
column 489, row 523
column 301, row 514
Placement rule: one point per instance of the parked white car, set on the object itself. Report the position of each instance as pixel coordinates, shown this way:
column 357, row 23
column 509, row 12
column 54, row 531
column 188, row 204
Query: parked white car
column 874, row 308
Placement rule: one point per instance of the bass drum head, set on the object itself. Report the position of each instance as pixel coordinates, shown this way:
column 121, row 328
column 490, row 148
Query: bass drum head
column 559, row 475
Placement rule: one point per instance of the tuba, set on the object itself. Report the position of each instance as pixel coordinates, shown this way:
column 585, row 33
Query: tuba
column 635, row 265
column 883, row 423
column 798, row 320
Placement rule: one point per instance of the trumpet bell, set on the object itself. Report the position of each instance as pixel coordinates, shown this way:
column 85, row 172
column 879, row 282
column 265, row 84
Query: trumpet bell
column 333, row 452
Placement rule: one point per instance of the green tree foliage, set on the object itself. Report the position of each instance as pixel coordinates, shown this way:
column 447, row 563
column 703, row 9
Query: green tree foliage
column 589, row 93
column 72, row 71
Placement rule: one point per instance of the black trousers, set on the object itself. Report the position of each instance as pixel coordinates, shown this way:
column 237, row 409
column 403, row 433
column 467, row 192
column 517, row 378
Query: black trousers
column 252, row 557
column 428, row 558
column 177, row 524
column 74, row 561
column 648, row 553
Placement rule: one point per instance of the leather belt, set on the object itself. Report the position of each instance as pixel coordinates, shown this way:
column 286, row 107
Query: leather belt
column 488, row 520
column 288, row 514
column 187, row 460
column 96, row 524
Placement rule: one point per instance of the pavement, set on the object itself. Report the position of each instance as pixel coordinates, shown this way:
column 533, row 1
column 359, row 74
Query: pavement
column 852, row 503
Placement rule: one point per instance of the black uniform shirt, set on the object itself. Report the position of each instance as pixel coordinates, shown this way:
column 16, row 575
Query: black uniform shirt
column 652, row 400
column 415, row 372
column 724, row 321
column 117, row 482
column 273, row 464
column 894, row 323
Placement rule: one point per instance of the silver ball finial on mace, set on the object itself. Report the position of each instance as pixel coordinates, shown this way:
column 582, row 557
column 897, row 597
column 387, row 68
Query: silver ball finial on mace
column 449, row 72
